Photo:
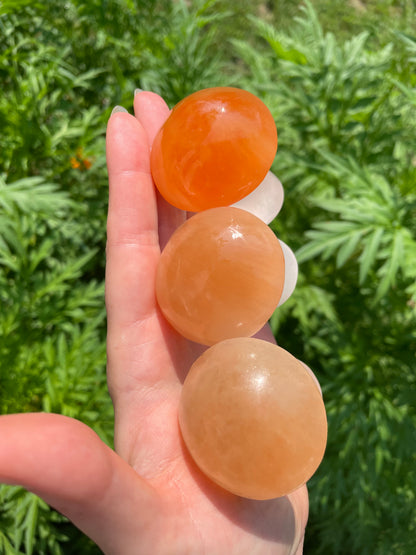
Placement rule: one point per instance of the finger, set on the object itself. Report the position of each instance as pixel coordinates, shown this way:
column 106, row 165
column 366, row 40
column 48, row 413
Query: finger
column 151, row 110
column 132, row 235
column 300, row 504
column 138, row 353
column 64, row 462
column 170, row 218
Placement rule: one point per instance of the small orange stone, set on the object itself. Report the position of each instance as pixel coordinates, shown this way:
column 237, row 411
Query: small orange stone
column 253, row 418
column 221, row 275
column 215, row 148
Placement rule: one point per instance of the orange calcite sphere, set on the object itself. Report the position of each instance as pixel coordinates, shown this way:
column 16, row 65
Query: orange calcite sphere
column 216, row 146
column 221, row 275
column 253, row 418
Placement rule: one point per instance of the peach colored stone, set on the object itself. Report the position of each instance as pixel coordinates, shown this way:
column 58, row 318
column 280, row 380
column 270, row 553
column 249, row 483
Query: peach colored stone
column 252, row 418
column 221, row 275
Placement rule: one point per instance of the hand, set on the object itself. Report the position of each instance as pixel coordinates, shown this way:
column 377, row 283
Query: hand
column 147, row 497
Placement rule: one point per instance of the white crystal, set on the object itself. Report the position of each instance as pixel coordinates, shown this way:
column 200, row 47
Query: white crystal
column 291, row 272
column 266, row 200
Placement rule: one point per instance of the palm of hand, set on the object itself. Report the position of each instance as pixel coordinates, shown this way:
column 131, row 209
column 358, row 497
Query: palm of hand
column 150, row 497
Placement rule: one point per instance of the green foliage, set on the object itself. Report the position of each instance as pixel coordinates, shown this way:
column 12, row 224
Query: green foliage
column 375, row 222
column 52, row 347
column 32, row 517
column 346, row 119
column 62, row 67
column 176, row 63
column 340, row 83
column 28, row 526
column 347, row 18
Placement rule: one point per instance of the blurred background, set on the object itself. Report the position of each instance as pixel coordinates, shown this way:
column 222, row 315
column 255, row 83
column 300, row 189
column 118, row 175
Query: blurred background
column 339, row 77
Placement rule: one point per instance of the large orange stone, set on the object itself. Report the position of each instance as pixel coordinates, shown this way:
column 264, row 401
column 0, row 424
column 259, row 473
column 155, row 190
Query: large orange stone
column 221, row 275
column 216, row 146
column 253, row 418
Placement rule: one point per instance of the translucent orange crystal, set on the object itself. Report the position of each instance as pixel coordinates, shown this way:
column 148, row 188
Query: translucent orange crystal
column 214, row 149
column 221, row 275
column 253, row 418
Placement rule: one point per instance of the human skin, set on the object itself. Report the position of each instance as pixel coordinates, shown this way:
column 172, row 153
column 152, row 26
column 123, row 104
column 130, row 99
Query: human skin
column 146, row 496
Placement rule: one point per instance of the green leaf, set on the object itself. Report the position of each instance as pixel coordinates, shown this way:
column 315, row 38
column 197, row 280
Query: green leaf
column 41, row 253
column 33, row 194
column 60, row 280
column 390, row 268
column 409, row 92
column 363, row 104
column 349, row 246
column 30, row 524
column 336, row 227
column 11, row 6
column 323, row 244
column 369, row 253
column 269, row 33
column 291, row 54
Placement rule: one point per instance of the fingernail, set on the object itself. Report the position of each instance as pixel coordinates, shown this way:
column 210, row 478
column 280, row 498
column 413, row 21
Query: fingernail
column 118, row 109
column 137, row 91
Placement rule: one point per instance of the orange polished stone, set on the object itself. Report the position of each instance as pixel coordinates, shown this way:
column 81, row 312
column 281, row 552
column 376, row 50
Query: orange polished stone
column 253, row 418
column 216, row 146
column 221, row 275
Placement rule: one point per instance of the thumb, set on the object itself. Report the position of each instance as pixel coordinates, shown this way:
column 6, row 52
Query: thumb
column 65, row 462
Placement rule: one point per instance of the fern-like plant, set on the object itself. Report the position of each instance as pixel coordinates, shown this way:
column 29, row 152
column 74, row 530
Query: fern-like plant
column 346, row 120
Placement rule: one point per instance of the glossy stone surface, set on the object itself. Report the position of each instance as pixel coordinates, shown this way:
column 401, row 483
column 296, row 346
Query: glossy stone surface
column 221, row 275
column 291, row 272
column 216, row 146
column 266, row 200
column 253, row 418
